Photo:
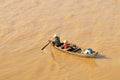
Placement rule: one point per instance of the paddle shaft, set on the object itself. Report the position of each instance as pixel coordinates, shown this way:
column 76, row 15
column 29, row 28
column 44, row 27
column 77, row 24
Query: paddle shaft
column 46, row 45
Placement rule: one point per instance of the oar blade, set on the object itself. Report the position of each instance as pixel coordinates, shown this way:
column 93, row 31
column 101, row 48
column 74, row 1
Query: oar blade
column 45, row 46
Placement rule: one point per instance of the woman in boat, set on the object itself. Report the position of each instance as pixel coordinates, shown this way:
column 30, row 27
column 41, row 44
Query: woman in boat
column 88, row 51
column 56, row 40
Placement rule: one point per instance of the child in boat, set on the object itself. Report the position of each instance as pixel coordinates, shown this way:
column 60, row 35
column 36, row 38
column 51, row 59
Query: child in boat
column 65, row 44
column 68, row 46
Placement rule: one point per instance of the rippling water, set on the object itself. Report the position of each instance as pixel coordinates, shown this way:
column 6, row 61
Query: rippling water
column 26, row 25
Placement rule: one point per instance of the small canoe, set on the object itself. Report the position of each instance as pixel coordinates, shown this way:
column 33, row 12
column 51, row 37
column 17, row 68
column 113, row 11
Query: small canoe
column 78, row 51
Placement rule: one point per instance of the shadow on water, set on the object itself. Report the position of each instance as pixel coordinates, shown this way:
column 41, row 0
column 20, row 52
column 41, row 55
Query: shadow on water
column 100, row 56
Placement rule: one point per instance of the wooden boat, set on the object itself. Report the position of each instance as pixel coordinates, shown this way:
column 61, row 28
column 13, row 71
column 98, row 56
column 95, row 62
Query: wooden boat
column 78, row 51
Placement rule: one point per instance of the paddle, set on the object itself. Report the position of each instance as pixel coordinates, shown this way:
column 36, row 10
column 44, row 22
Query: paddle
column 46, row 45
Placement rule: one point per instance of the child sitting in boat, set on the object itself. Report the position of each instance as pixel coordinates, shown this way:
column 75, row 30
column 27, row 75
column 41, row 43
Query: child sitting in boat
column 67, row 46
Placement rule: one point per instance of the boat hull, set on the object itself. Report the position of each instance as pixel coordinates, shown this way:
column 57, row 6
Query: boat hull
column 77, row 53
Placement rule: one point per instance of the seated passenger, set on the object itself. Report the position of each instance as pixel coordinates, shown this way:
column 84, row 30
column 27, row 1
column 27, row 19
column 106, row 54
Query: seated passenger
column 65, row 44
column 88, row 51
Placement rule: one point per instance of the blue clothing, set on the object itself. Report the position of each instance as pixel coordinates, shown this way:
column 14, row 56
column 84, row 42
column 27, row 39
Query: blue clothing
column 89, row 51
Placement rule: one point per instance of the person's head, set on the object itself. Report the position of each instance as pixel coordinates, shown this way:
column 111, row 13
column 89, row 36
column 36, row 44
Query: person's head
column 65, row 41
column 55, row 35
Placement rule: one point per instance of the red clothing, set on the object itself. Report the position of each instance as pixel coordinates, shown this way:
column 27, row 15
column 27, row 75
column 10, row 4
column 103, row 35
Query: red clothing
column 65, row 45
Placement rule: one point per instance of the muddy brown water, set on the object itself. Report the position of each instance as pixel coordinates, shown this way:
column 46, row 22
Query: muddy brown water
column 26, row 25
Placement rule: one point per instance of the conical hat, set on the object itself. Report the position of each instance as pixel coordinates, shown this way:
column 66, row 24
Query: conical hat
column 55, row 35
